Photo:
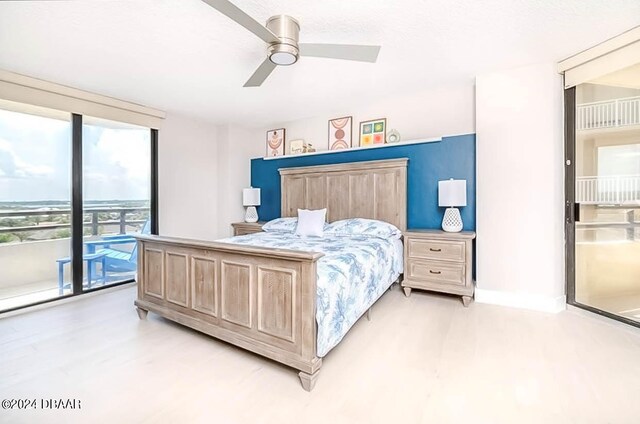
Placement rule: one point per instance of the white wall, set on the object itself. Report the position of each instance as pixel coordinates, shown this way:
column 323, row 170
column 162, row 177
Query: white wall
column 236, row 147
column 187, row 178
column 421, row 114
column 520, row 195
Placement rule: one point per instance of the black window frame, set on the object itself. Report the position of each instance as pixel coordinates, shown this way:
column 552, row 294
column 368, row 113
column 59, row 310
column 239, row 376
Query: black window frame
column 77, row 227
column 570, row 209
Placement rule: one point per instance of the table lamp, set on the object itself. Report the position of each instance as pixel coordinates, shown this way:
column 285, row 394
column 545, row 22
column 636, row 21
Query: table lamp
column 251, row 199
column 452, row 193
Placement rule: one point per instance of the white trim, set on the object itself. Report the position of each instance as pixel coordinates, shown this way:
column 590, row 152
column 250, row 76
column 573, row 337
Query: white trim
column 32, row 91
column 601, row 49
column 521, row 300
column 65, row 300
column 609, row 56
column 324, row 152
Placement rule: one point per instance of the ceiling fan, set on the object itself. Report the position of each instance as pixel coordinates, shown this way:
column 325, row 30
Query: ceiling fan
column 281, row 35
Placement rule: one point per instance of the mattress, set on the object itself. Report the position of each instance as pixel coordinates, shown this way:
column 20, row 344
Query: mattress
column 353, row 273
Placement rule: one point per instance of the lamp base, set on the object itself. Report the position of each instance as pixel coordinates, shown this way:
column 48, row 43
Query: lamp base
column 251, row 215
column 452, row 221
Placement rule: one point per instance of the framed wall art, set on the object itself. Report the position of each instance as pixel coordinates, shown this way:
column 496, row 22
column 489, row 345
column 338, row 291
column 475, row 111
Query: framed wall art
column 275, row 142
column 373, row 132
column 296, row 147
column 340, row 133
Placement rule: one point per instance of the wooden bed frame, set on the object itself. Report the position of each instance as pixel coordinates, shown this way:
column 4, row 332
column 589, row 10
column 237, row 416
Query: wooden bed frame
column 264, row 299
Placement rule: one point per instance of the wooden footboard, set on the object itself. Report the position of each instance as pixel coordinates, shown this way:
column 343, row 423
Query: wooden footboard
column 260, row 299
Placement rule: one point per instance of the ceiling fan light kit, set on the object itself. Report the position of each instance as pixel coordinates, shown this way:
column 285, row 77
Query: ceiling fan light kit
column 287, row 29
column 281, row 35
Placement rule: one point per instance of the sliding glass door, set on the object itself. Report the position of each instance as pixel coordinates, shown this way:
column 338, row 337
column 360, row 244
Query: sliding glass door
column 73, row 191
column 604, row 202
column 35, row 205
column 116, row 197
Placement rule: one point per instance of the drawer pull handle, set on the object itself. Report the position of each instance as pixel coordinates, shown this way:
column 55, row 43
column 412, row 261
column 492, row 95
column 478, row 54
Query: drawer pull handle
column 435, row 250
column 435, row 272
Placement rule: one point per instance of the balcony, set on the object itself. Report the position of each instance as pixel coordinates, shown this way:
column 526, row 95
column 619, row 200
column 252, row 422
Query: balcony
column 32, row 242
column 608, row 114
column 608, row 190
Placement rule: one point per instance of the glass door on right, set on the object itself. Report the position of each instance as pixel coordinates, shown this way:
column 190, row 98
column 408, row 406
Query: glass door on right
column 607, row 194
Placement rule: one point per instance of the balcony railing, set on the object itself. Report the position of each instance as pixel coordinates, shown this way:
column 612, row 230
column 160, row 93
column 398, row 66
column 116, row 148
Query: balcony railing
column 91, row 219
column 608, row 114
column 617, row 190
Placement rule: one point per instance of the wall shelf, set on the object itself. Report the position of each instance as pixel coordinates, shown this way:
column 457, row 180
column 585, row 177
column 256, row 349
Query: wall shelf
column 381, row 146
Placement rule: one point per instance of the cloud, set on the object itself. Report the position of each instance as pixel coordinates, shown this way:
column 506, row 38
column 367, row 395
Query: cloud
column 12, row 166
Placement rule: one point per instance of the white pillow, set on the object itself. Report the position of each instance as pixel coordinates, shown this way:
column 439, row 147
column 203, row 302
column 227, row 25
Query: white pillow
column 311, row 222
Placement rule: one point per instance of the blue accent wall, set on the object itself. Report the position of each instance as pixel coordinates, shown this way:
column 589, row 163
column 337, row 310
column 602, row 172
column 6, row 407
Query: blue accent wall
column 453, row 157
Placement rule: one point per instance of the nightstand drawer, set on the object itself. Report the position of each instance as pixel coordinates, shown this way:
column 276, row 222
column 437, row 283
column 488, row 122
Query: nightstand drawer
column 243, row 228
column 245, row 231
column 440, row 272
column 438, row 250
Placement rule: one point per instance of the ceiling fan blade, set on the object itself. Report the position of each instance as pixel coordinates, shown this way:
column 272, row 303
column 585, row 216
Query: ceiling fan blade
column 341, row 51
column 261, row 74
column 235, row 13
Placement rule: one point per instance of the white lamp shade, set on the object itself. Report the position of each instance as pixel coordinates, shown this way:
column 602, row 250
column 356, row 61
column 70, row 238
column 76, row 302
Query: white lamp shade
column 452, row 193
column 251, row 196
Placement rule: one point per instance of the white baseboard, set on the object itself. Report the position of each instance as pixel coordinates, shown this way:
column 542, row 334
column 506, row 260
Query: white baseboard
column 521, row 300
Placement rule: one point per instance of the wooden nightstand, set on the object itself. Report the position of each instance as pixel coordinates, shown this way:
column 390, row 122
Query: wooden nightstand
column 439, row 261
column 242, row 228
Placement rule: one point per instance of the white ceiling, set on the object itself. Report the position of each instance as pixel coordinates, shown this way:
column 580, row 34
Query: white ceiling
column 627, row 77
column 183, row 56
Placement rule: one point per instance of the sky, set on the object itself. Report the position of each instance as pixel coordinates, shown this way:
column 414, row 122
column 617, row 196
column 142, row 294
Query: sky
column 35, row 160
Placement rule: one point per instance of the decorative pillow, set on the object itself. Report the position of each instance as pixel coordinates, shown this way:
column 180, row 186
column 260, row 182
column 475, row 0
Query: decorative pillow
column 283, row 225
column 363, row 226
column 311, row 222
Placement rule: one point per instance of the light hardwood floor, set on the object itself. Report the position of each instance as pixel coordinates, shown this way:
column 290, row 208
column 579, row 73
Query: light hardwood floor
column 423, row 359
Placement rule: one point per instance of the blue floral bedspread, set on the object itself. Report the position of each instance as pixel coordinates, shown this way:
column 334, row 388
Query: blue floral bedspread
column 355, row 271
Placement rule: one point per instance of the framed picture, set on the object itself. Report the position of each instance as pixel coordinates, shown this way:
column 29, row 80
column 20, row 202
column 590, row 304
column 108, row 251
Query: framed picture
column 373, row 132
column 340, row 133
column 275, row 142
column 296, row 147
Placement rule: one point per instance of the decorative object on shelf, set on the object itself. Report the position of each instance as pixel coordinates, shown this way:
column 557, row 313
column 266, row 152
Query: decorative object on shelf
column 251, row 199
column 452, row 193
column 296, row 147
column 393, row 136
column 340, row 133
column 373, row 132
column 275, row 142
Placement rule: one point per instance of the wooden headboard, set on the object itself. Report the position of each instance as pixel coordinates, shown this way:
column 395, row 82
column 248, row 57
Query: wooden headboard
column 373, row 189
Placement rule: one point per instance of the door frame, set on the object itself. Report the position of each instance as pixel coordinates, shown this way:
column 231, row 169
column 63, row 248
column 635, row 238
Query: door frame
column 570, row 208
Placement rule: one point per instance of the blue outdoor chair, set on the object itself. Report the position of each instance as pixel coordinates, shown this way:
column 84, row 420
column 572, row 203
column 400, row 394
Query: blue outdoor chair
column 110, row 258
column 118, row 260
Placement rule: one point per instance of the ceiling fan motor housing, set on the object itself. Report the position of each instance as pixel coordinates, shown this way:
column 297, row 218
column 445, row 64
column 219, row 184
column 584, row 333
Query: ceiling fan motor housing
column 287, row 30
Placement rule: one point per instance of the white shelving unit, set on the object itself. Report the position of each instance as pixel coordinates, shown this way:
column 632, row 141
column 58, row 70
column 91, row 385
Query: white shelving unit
column 381, row 146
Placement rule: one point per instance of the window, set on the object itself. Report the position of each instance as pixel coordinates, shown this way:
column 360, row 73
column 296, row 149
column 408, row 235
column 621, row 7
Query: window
column 116, row 194
column 45, row 183
column 35, row 206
